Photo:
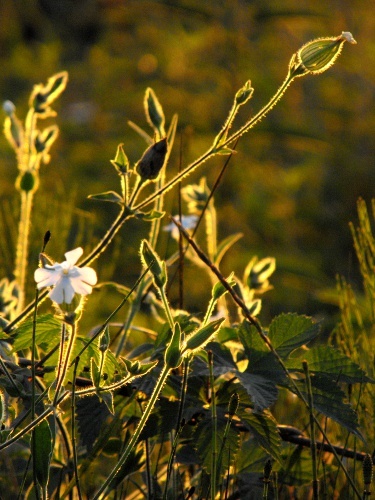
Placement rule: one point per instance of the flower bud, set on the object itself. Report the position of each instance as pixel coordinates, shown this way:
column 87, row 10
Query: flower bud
column 27, row 182
column 121, row 162
column 152, row 161
column 173, row 357
column 244, row 94
column 267, row 471
column 9, row 108
column 320, row 54
column 13, row 128
column 203, row 335
column 157, row 267
column 367, row 467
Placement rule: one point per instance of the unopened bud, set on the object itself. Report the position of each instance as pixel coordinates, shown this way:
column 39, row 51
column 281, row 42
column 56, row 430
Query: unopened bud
column 267, row 471
column 157, row 267
column 203, row 335
column 152, row 161
column 367, row 467
column 244, row 94
column 320, row 54
column 27, row 182
column 9, row 108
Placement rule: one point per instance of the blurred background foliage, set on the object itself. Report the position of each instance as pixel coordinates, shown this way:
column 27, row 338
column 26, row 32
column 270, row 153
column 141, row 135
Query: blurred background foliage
column 292, row 187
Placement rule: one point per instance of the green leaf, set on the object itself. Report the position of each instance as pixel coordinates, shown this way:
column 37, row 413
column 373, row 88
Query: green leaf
column 263, row 427
column 203, row 443
column 328, row 399
column 331, row 362
column 149, row 216
column 48, row 331
column 110, row 196
column 287, row 332
column 42, row 447
column 224, row 246
column 263, row 392
column 107, row 398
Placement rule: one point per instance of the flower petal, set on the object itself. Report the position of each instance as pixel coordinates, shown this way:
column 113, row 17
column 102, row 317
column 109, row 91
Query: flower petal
column 62, row 292
column 73, row 255
column 46, row 277
column 80, row 286
column 88, row 275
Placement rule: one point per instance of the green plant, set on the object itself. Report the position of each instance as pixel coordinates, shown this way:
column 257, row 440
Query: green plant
column 180, row 408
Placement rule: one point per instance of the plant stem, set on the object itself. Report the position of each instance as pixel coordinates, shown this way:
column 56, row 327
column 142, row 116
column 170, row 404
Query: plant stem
column 315, row 482
column 22, row 246
column 75, row 459
column 133, row 441
column 214, row 426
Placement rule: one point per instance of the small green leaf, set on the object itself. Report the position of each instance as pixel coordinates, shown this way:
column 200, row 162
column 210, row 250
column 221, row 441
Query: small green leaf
column 42, row 447
column 287, row 332
column 107, row 398
column 154, row 111
column 149, row 216
column 110, row 196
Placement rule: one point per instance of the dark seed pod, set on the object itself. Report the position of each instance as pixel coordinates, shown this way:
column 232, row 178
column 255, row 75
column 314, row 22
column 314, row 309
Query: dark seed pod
column 152, row 160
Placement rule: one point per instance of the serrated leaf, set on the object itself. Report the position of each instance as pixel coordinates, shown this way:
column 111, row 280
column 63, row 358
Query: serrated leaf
column 224, row 246
column 42, row 447
column 48, row 331
column 328, row 399
column 264, row 429
column 91, row 415
column 287, row 332
column 203, row 443
column 331, row 362
column 261, row 360
column 110, row 196
column 107, row 398
column 262, row 391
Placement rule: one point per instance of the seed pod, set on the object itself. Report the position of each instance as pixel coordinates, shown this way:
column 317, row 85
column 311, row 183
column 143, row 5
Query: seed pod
column 267, row 471
column 27, row 181
column 152, row 260
column 152, row 161
column 320, row 54
column 202, row 336
column 173, row 357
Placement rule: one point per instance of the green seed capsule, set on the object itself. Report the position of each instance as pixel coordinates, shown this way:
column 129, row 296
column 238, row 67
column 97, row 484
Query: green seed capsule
column 27, row 181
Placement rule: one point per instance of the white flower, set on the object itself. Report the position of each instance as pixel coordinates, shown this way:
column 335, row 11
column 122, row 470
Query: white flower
column 66, row 278
column 187, row 222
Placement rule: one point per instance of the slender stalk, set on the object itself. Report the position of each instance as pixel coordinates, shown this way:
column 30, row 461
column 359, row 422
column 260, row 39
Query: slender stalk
column 73, row 420
column 214, row 426
column 23, row 246
column 171, row 459
column 133, row 441
column 315, row 482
